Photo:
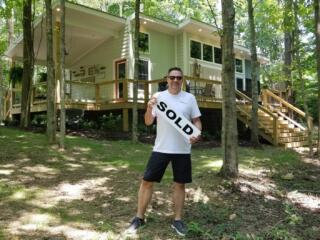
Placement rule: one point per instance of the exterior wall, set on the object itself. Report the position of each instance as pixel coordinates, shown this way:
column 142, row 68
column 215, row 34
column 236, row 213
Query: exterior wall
column 104, row 55
column 161, row 53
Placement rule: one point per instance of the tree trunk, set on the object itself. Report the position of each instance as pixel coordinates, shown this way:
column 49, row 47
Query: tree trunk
column 229, row 115
column 2, row 91
column 10, row 24
column 300, row 75
column 136, row 74
column 62, row 76
column 255, row 78
column 27, row 64
column 317, row 33
column 288, row 42
column 51, row 86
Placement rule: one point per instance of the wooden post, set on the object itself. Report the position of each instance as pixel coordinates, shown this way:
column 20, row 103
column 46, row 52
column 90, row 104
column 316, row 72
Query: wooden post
column 125, row 90
column 97, row 93
column 275, row 131
column 264, row 98
column 125, row 119
column 146, row 93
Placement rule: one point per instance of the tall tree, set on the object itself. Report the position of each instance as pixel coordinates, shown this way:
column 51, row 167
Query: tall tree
column 28, row 63
column 288, row 42
column 136, row 73
column 62, row 75
column 51, row 85
column 229, row 114
column 299, row 68
column 317, row 34
column 254, row 77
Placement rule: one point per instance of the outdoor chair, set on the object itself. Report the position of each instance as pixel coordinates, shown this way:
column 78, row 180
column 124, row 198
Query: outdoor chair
column 208, row 90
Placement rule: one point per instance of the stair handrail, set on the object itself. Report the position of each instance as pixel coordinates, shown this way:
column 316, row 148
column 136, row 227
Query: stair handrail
column 269, row 93
column 263, row 108
column 274, row 116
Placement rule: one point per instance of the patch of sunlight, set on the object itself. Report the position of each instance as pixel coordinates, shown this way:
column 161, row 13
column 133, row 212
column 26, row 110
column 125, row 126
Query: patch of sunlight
column 21, row 136
column 71, row 137
column 196, row 195
column 69, row 158
column 82, row 149
column 85, row 190
column 74, row 165
column 53, row 160
column 19, row 195
column 108, row 169
column 124, row 199
column 254, row 172
column 6, row 171
column 205, row 157
column 81, row 234
column 308, row 201
column 24, row 160
column 39, row 168
column 214, row 164
column 10, row 165
column 256, row 186
column 32, row 222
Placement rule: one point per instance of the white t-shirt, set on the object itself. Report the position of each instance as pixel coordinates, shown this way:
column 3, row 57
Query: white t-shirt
column 168, row 139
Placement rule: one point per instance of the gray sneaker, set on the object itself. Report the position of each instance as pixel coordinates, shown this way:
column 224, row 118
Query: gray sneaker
column 135, row 224
column 180, row 227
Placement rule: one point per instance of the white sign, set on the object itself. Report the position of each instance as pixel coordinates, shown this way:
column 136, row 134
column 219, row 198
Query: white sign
column 179, row 122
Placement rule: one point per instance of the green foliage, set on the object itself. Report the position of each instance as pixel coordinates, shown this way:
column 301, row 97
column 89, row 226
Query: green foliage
column 39, row 120
column 42, row 76
column 15, row 75
column 110, row 122
column 279, row 233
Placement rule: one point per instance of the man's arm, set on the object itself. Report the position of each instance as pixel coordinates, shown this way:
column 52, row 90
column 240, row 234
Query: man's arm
column 197, row 122
column 148, row 117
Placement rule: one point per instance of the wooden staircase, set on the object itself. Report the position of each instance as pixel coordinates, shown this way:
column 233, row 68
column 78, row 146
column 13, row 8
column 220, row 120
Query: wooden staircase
column 277, row 119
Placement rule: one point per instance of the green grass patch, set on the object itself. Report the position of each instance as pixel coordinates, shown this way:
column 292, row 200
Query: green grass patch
column 92, row 186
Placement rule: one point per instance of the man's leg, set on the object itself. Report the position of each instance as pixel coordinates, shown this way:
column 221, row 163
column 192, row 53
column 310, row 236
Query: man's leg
column 144, row 197
column 178, row 199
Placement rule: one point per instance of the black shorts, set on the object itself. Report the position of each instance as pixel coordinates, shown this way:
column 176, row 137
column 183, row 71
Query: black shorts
column 158, row 162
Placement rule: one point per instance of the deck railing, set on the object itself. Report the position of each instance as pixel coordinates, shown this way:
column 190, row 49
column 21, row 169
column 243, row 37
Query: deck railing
column 285, row 109
column 243, row 100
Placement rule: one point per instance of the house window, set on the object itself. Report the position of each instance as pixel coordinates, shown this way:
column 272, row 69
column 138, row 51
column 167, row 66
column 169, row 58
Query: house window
column 240, row 85
column 218, row 55
column 195, row 49
column 207, row 53
column 143, row 42
column 239, row 65
column 143, row 72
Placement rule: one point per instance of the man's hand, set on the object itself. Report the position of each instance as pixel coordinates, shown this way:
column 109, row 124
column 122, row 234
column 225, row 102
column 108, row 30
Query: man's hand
column 152, row 102
column 195, row 139
column 148, row 117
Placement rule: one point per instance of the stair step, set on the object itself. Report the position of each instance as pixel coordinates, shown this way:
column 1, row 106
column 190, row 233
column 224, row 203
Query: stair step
column 295, row 144
column 292, row 139
column 293, row 134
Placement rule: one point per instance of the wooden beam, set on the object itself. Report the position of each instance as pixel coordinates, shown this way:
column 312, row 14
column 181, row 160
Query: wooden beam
column 125, row 119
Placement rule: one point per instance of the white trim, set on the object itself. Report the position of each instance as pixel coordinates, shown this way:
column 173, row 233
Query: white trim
column 242, row 65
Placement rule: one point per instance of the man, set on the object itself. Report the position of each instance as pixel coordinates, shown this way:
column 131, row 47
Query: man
column 170, row 146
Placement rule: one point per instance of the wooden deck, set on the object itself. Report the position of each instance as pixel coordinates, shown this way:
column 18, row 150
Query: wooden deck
column 279, row 121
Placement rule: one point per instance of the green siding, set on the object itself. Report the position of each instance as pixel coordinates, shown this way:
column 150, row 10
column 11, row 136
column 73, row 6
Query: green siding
column 161, row 53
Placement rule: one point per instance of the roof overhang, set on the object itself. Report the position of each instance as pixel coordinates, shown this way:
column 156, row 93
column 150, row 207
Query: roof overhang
column 86, row 29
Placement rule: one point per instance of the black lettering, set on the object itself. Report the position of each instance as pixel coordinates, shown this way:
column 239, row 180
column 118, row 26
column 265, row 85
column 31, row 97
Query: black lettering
column 187, row 129
column 173, row 115
column 177, row 122
column 162, row 106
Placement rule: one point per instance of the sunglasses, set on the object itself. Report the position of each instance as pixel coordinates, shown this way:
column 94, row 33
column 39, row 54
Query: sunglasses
column 179, row 78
